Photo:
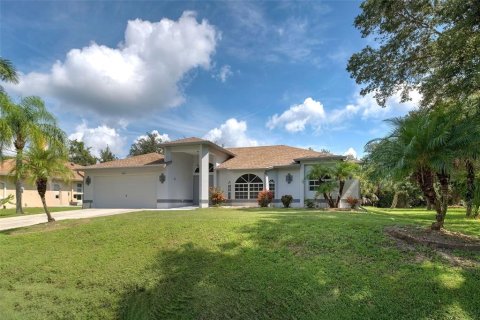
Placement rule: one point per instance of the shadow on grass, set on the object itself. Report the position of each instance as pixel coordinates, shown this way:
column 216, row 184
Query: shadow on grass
column 302, row 266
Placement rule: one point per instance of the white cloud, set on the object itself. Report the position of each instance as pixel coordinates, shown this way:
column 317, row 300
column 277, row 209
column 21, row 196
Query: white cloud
column 160, row 137
column 350, row 152
column 225, row 73
column 140, row 75
column 295, row 119
column 232, row 133
column 312, row 113
column 99, row 138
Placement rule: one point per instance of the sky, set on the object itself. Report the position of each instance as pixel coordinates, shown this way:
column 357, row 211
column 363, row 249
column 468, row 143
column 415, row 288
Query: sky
column 236, row 73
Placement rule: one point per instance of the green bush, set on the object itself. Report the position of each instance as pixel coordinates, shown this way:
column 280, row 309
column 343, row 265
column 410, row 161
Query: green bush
column 286, row 200
column 309, row 203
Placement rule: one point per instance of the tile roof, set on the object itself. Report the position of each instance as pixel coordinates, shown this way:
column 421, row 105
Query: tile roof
column 268, row 156
column 8, row 164
column 195, row 140
column 136, row 161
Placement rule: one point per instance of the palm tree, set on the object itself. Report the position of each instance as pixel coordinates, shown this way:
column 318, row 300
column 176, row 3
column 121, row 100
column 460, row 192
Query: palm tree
column 42, row 164
column 424, row 145
column 7, row 71
column 27, row 123
column 331, row 178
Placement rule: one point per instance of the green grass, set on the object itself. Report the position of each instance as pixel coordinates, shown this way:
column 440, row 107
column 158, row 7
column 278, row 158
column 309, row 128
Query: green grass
column 232, row 264
column 33, row 210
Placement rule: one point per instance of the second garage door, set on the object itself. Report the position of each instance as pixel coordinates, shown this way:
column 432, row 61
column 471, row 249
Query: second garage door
column 126, row 191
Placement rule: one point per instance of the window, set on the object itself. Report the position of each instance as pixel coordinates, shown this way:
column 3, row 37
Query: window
column 56, row 188
column 248, row 186
column 77, row 196
column 79, row 188
column 2, row 190
column 229, row 190
column 271, row 187
column 314, row 184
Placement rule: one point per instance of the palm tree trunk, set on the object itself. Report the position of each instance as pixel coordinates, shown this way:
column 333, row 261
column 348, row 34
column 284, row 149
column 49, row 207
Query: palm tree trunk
column 329, row 199
column 394, row 201
column 424, row 179
column 429, row 205
column 42, row 190
column 18, row 183
column 444, row 180
column 340, row 192
column 470, row 186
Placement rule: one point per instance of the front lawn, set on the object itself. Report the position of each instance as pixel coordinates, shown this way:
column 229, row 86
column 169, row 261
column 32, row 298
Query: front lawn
column 233, row 264
column 33, row 210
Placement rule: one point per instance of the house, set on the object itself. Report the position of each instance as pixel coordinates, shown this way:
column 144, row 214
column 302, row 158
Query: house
column 189, row 167
column 59, row 193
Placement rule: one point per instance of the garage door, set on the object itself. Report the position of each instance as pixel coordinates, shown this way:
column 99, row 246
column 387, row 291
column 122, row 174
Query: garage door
column 126, row 191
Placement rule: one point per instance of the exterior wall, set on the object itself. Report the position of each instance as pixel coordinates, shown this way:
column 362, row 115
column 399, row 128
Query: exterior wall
column 282, row 187
column 30, row 197
column 225, row 176
column 179, row 182
column 123, row 175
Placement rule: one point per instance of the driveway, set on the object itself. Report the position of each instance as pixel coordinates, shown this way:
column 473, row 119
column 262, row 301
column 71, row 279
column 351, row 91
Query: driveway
column 30, row 220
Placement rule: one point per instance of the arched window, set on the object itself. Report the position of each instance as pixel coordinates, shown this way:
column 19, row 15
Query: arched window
column 271, row 187
column 248, row 186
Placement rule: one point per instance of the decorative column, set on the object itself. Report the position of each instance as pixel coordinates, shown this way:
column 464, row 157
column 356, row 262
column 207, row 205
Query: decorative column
column 267, row 180
column 203, row 159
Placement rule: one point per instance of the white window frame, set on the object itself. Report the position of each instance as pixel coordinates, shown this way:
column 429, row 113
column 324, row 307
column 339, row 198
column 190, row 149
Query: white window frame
column 249, row 188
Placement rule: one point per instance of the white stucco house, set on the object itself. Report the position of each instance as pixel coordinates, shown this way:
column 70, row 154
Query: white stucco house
column 189, row 167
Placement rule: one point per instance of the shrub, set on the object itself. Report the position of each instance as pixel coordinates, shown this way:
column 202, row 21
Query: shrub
column 264, row 198
column 216, row 196
column 287, row 200
column 309, row 203
column 353, row 202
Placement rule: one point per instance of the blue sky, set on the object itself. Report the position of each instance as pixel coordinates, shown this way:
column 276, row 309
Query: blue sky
column 238, row 73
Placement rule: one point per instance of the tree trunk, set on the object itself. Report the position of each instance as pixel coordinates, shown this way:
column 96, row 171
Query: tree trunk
column 18, row 184
column 444, row 180
column 394, row 201
column 424, row 179
column 429, row 205
column 329, row 199
column 42, row 189
column 340, row 192
column 470, row 186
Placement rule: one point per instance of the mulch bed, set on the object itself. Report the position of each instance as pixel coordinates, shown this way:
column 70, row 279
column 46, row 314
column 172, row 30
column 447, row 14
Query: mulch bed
column 442, row 239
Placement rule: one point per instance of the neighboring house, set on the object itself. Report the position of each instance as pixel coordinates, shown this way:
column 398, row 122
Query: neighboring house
column 59, row 193
column 183, row 176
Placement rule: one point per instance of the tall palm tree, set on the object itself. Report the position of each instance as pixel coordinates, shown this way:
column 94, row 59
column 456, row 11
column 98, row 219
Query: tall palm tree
column 7, row 71
column 27, row 123
column 42, row 164
column 424, row 145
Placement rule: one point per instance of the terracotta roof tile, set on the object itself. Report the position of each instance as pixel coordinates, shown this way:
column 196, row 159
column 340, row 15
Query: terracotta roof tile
column 267, row 157
column 136, row 161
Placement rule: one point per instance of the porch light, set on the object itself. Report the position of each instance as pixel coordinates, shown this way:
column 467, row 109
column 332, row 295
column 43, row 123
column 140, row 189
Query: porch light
column 289, row 178
column 162, row 178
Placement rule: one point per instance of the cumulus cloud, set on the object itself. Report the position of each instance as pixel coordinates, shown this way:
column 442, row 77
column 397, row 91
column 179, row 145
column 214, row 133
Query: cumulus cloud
column 225, row 73
column 350, row 152
column 99, row 138
column 232, row 133
column 312, row 113
column 159, row 137
column 297, row 117
column 139, row 75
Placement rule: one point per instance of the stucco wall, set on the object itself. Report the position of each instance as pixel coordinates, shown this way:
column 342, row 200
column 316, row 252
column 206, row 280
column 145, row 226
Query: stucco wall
column 30, row 197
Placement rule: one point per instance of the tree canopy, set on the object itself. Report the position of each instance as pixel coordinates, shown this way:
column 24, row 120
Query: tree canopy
column 107, row 155
column 430, row 46
column 78, row 153
column 149, row 143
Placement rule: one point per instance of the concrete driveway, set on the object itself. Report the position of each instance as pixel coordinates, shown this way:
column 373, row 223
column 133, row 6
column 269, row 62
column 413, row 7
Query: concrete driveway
column 30, row 220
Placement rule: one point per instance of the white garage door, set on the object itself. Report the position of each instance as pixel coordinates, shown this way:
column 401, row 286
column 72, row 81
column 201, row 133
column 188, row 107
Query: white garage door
column 126, row 191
